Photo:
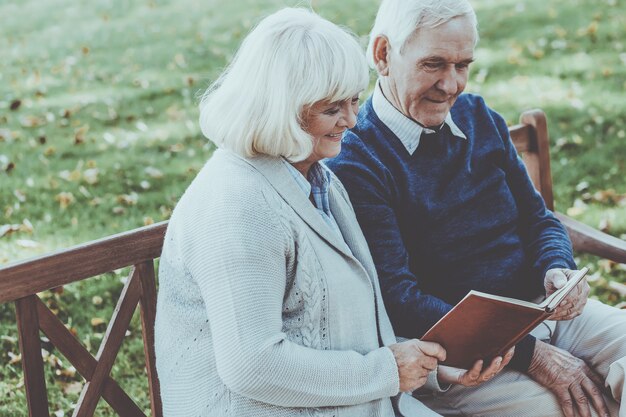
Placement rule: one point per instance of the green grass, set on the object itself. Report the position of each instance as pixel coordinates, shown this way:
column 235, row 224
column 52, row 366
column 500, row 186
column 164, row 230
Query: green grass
column 105, row 136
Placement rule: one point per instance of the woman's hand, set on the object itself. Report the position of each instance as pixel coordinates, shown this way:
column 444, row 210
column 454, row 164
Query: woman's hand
column 475, row 376
column 415, row 360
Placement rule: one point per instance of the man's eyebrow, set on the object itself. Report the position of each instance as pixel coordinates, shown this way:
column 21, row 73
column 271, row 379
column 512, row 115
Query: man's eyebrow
column 437, row 58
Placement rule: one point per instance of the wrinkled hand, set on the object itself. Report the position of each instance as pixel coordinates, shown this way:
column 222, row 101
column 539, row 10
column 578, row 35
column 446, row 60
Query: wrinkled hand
column 575, row 301
column 569, row 378
column 476, row 375
column 415, row 360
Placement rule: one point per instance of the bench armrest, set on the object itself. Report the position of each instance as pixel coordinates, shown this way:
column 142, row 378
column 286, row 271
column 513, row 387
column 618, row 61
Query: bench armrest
column 589, row 240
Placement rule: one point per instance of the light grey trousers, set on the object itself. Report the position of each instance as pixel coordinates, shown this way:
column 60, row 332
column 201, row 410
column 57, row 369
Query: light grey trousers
column 598, row 336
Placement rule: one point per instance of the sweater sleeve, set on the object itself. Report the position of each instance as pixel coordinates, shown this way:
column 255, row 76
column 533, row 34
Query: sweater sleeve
column 238, row 253
column 372, row 193
column 546, row 241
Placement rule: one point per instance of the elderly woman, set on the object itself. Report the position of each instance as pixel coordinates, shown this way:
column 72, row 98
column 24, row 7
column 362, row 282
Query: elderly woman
column 269, row 303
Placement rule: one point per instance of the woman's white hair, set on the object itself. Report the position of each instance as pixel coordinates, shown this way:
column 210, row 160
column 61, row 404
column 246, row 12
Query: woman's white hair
column 289, row 61
column 399, row 19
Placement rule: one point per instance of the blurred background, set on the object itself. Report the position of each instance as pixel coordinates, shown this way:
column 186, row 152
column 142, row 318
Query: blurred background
column 99, row 133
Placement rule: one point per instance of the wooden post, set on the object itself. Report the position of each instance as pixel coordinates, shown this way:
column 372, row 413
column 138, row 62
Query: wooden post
column 32, row 362
column 148, row 313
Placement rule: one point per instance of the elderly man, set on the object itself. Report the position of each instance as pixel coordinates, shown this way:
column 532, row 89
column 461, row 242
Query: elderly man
column 447, row 206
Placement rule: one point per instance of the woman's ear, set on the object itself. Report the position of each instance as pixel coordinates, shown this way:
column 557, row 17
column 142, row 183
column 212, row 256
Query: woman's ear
column 381, row 52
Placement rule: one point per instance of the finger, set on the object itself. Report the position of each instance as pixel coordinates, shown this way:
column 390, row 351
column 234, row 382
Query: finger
column 597, row 380
column 507, row 358
column 597, row 399
column 428, row 363
column 566, row 404
column 432, row 349
column 581, row 400
column 493, row 368
column 473, row 374
column 555, row 279
column 584, row 289
column 420, row 382
column 476, row 368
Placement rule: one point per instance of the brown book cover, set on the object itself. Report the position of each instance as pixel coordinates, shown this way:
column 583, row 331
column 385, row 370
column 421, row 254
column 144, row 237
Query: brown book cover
column 483, row 326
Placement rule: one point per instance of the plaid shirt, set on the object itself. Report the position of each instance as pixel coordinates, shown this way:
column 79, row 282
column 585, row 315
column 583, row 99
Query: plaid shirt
column 317, row 186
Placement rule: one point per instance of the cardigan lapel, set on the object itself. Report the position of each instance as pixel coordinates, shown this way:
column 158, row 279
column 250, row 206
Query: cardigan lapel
column 274, row 170
column 351, row 231
column 346, row 220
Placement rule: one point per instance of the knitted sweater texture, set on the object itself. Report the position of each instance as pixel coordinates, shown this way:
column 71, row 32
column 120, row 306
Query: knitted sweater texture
column 456, row 215
column 262, row 309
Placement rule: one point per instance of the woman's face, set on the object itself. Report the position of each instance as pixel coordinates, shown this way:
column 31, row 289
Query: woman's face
column 326, row 122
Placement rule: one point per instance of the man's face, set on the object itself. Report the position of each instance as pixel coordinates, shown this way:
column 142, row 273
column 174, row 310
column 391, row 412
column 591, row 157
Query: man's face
column 424, row 81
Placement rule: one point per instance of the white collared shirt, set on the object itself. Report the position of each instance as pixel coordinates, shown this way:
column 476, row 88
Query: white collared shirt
column 407, row 130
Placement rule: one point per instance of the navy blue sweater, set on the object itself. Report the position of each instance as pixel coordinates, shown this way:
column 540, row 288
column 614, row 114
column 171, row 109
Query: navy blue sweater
column 456, row 215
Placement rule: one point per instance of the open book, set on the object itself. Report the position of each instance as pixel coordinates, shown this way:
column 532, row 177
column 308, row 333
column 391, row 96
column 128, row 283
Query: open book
column 483, row 326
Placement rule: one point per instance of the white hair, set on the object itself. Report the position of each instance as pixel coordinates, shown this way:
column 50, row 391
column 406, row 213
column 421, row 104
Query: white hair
column 291, row 60
column 399, row 19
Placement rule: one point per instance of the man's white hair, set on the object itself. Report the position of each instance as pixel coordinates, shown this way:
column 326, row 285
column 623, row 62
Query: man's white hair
column 291, row 60
column 399, row 19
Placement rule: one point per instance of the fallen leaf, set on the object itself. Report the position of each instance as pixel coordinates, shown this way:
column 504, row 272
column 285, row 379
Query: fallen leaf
column 91, row 176
column 153, row 172
column 79, row 134
column 128, row 199
column 97, row 321
column 32, row 121
column 74, row 387
column 13, row 358
column 69, row 372
column 618, row 287
column 604, row 225
column 21, row 197
column 15, row 104
column 65, row 199
column 7, row 229
column 28, row 244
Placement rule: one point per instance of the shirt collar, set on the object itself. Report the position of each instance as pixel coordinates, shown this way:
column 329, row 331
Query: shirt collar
column 317, row 183
column 407, row 130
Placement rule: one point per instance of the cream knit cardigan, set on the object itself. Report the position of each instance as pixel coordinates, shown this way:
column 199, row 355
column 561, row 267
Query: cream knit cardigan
column 263, row 311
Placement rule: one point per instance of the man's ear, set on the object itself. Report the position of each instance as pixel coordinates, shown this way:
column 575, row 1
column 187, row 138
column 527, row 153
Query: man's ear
column 381, row 53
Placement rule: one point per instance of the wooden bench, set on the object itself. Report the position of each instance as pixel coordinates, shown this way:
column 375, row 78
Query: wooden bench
column 20, row 282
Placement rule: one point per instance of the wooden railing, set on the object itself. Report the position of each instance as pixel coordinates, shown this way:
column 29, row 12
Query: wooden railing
column 20, row 282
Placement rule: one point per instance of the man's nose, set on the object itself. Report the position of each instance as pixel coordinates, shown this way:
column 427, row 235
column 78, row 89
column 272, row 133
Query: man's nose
column 449, row 81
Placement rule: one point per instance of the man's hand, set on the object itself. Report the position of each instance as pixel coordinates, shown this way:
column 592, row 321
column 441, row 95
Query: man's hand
column 569, row 378
column 575, row 301
column 476, row 375
column 415, row 360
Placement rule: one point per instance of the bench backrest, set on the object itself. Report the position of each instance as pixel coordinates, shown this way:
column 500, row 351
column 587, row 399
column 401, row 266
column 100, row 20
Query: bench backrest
column 20, row 282
column 532, row 143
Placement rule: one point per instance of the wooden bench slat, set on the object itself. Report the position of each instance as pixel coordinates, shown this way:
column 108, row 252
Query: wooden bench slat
column 84, row 362
column 110, row 346
column 87, row 260
column 148, row 313
column 32, row 361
